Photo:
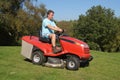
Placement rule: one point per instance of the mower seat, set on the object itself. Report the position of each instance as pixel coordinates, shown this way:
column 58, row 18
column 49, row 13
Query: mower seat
column 44, row 39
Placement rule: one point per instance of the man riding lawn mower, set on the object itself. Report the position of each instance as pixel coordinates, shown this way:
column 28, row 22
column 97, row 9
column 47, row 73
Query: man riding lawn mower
column 42, row 50
column 48, row 28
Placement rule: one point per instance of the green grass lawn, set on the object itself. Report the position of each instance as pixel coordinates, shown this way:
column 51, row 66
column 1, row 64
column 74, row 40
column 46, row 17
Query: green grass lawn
column 105, row 66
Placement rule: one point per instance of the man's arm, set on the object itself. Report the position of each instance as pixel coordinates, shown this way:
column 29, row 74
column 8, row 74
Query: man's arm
column 54, row 28
column 58, row 27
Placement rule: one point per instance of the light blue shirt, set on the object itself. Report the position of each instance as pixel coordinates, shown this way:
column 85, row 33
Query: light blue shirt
column 45, row 29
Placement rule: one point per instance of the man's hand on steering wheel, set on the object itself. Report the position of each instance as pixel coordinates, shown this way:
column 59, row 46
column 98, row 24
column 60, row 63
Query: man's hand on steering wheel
column 60, row 30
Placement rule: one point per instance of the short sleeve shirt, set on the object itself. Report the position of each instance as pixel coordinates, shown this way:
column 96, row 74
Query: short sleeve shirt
column 45, row 29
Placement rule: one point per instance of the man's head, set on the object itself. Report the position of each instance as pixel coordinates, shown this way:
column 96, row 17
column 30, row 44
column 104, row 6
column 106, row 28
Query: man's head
column 50, row 14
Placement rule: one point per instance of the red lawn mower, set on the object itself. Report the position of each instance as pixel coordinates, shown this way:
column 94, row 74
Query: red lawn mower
column 74, row 52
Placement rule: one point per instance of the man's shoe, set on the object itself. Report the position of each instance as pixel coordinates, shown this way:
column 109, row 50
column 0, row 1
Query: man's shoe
column 59, row 48
column 56, row 50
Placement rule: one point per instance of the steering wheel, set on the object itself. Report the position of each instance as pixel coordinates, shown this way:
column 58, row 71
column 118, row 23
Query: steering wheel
column 59, row 33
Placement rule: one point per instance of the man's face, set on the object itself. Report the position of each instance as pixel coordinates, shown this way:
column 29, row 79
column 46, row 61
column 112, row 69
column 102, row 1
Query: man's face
column 50, row 16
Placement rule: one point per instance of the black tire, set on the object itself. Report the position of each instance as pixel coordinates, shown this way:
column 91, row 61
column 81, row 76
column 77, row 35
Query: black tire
column 38, row 58
column 72, row 63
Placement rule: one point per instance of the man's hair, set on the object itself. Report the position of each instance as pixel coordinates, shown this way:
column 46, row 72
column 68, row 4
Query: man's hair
column 50, row 11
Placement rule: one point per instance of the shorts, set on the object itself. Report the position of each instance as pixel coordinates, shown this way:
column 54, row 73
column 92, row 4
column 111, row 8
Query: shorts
column 46, row 35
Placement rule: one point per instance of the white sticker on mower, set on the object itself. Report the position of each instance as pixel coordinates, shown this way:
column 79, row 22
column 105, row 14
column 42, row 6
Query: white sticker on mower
column 26, row 49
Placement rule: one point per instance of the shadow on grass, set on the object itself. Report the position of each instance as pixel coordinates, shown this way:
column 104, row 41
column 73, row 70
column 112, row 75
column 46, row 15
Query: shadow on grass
column 27, row 60
column 82, row 64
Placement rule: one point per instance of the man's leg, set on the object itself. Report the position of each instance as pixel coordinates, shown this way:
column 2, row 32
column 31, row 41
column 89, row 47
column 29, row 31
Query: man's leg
column 53, row 41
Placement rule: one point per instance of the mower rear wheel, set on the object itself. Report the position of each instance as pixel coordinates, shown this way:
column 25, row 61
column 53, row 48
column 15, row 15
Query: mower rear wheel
column 72, row 63
column 38, row 58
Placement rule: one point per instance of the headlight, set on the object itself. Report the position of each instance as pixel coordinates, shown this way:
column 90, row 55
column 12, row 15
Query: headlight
column 83, row 45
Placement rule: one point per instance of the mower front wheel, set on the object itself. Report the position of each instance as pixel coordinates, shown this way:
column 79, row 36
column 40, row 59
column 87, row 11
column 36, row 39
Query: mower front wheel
column 38, row 58
column 72, row 63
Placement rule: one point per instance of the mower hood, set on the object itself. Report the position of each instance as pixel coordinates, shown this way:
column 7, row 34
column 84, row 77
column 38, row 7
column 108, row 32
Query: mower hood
column 73, row 39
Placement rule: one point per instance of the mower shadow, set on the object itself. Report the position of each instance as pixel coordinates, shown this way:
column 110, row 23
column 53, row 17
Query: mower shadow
column 27, row 60
column 83, row 65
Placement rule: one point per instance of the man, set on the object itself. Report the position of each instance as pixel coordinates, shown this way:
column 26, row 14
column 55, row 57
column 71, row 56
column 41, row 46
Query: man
column 48, row 28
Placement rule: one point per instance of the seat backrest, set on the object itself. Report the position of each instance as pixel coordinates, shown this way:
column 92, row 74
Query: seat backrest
column 43, row 39
column 40, row 33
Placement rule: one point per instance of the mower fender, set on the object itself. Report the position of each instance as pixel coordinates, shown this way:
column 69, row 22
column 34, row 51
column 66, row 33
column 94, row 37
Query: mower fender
column 41, row 48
